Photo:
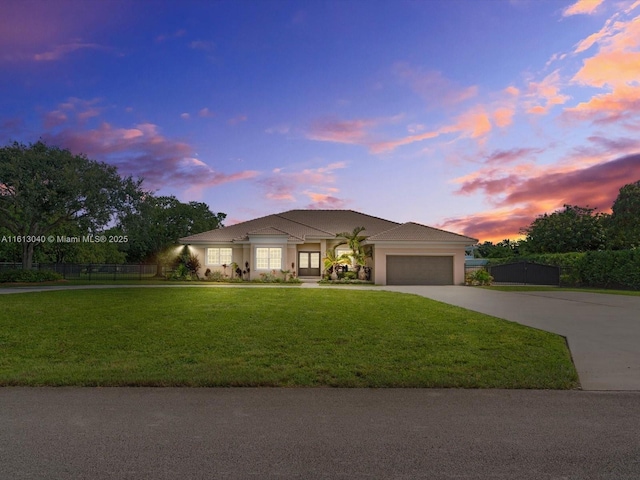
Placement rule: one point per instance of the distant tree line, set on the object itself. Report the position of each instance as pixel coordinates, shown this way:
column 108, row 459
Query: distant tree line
column 59, row 207
column 576, row 229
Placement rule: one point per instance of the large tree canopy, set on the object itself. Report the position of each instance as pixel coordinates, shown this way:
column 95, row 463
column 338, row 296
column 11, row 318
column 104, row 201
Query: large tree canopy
column 624, row 223
column 159, row 222
column 43, row 188
column 573, row 229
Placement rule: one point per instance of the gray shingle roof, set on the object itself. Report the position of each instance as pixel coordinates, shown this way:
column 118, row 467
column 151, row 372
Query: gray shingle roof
column 416, row 232
column 338, row 221
column 302, row 225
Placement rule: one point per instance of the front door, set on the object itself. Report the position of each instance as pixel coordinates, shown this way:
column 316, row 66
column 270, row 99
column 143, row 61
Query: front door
column 308, row 264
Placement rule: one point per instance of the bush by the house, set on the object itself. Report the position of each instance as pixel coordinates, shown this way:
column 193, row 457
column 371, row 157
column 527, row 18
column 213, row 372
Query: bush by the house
column 29, row 276
column 479, row 277
column 215, row 276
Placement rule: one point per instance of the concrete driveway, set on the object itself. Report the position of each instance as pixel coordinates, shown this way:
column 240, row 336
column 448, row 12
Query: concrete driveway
column 603, row 331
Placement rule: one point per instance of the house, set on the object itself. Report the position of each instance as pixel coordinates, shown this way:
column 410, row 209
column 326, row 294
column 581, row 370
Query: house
column 297, row 240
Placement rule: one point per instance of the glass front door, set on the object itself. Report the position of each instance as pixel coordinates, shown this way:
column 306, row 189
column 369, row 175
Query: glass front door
column 308, row 264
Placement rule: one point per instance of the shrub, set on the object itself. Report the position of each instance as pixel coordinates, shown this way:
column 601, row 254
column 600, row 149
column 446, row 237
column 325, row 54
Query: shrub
column 29, row 276
column 479, row 277
column 216, row 277
column 611, row 269
column 350, row 275
column 180, row 273
column 192, row 262
column 344, row 281
column 269, row 278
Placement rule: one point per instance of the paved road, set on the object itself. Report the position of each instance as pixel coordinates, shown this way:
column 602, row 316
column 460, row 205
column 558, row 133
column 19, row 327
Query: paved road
column 142, row 433
column 603, row 331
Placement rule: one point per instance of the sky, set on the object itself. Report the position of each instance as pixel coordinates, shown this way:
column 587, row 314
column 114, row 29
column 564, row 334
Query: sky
column 474, row 116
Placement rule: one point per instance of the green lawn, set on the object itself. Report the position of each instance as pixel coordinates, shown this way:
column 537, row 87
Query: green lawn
column 268, row 337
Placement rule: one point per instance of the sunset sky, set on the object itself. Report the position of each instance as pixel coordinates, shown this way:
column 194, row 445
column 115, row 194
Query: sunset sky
column 469, row 115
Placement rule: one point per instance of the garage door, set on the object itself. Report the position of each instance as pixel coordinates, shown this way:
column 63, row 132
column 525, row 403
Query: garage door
column 419, row 270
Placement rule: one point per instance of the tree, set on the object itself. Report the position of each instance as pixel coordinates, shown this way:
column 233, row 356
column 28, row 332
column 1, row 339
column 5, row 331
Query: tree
column 504, row 249
column 573, row 229
column 354, row 240
column 82, row 252
column 332, row 261
column 43, row 188
column 623, row 225
column 158, row 223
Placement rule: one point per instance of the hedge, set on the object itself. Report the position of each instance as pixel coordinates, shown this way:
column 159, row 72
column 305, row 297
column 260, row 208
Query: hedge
column 605, row 269
column 28, row 276
column 611, row 269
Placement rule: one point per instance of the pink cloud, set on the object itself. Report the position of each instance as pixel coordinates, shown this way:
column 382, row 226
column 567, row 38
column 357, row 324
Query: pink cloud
column 493, row 226
column 74, row 108
column 474, row 123
column 610, row 68
column 432, row 86
column 615, row 67
column 237, row 119
column 525, row 198
column 54, row 118
column 622, row 103
column 503, row 116
column 341, row 131
column 594, row 185
column 53, row 30
column 143, row 152
column 205, row 113
column 60, row 51
column 321, row 201
column 283, row 185
column 11, row 126
column 502, row 157
column 582, row 7
column 542, row 96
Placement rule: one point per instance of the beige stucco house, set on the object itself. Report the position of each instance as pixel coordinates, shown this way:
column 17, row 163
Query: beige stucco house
column 297, row 240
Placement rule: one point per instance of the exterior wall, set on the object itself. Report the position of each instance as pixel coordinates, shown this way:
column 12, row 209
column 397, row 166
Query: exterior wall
column 381, row 252
column 237, row 256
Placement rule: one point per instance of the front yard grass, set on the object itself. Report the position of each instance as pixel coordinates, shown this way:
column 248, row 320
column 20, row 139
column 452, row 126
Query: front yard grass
column 280, row 337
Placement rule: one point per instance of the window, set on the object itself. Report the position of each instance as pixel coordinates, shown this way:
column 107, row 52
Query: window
column 268, row 258
column 218, row 256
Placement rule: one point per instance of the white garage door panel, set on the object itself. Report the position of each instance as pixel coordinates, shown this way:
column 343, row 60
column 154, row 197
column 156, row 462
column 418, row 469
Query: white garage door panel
column 419, row 270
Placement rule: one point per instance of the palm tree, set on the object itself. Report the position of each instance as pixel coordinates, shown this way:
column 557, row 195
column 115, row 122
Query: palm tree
column 354, row 241
column 333, row 261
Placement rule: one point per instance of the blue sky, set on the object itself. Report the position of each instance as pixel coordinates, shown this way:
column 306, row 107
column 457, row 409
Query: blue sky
column 470, row 115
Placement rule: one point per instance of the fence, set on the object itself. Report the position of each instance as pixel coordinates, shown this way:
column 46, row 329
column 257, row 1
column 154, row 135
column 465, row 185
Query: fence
column 93, row 271
column 526, row 273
